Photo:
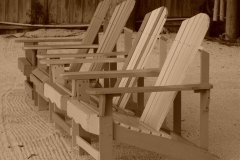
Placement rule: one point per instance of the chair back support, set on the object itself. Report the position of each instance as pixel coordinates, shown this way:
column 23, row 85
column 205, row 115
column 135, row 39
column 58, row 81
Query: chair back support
column 117, row 22
column 181, row 54
column 143, row 45
column 93, row 29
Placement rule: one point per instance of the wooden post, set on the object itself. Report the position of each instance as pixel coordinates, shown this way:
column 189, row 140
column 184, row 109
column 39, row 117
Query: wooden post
column 177, row 115
column 51, row 108
column 140, row 97
column 215, row 10
column 222, row 10
column 35, row 95
column 232, row 19
column 42, row 103
column 106, row 130
column 204, row 101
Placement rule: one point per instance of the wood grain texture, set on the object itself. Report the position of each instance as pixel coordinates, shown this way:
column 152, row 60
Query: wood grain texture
column 2, row 10
column 183, row 50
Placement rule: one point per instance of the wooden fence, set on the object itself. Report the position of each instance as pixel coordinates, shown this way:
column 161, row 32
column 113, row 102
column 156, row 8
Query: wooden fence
column 47, row 11
column 81, row 11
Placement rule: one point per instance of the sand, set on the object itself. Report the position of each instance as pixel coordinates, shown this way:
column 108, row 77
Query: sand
column 25, row 133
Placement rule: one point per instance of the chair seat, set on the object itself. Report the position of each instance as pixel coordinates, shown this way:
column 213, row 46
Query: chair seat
column 87, row 116
column 56, row 95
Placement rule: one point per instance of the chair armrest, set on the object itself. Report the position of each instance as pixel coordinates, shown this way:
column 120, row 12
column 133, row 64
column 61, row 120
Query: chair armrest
column 81, row 55
column 110, row 74
column 117, row 91
column 57, row 39
column 53, row 47
column 72, row 61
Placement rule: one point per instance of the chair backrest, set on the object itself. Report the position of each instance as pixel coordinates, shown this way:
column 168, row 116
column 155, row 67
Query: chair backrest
column 117, row 22
column 181, row 53
column 94, row 26
column 143, row 45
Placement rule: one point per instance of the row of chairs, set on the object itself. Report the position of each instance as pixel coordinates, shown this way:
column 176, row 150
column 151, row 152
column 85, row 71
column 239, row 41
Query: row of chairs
column 87, row 95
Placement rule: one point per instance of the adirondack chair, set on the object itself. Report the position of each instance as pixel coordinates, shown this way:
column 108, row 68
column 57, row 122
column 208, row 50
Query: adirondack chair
column 55, row 91
column 144, row 132
column 28, row 63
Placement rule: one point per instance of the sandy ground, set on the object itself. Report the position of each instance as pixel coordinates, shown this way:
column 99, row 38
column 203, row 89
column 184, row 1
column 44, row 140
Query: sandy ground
column 26, row 134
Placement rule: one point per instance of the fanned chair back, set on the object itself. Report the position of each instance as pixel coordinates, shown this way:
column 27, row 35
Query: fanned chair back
column 143, row 45
column 182, row 52
column 114, row 29
column 93, row 29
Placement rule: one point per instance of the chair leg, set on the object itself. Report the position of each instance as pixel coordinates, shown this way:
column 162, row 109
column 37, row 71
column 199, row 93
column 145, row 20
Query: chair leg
column 42, row 104
column 35, row 96
column 177, row 116
column 204, row 117
column 106, row 132
column 51, row 109
column 86, row 136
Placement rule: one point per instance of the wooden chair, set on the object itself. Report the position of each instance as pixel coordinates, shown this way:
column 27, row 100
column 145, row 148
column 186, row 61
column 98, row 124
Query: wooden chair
column 28, row 63
column 55, row 90
column 145, row 132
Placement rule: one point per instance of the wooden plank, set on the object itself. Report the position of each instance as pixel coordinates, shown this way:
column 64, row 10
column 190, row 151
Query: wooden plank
column 87, row 147
column 40, row 75
column 62, row 39
column 84, row 114
column 173, row 149
column 55, row 47
column 56, row 95
column 24, row 66
column 42, row 103
column 42, row 56
column 11, row 10
column 222, row 10
column 144, row 47
column 20, row 10
column 71, row 61
column 88, row 10
column 53, row 11
column 106, row 130
column 77, row 12
column 111, row 74
column 28, row 89
column 174, row 68
column 2, row 10
column 177, row 115
column 91, row 33
column 204, row 101
column 61, row 123
column 64, row 11
column 215, row 10
column 114, row 28
column 12, row 25
column 167, row 88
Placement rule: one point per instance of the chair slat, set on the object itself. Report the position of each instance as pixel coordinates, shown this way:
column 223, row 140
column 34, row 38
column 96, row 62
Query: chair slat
column 182, row 52
column 116, row 28
column 93, row 29
column 143, row 50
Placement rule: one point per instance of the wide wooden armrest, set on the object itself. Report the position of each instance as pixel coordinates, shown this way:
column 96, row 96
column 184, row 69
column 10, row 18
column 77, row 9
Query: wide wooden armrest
column 111, row 74
column 117, row 91
column 66, row 46
column 81, row 55
column 71, row 61
column 54, row 39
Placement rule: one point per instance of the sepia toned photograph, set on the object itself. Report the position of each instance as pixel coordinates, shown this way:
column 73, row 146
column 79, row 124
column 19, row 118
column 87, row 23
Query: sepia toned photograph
column 119, row 80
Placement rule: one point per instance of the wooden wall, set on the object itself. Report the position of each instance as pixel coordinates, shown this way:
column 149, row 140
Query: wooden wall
column 47, row 11
column 81, row 11
column 176, row 8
